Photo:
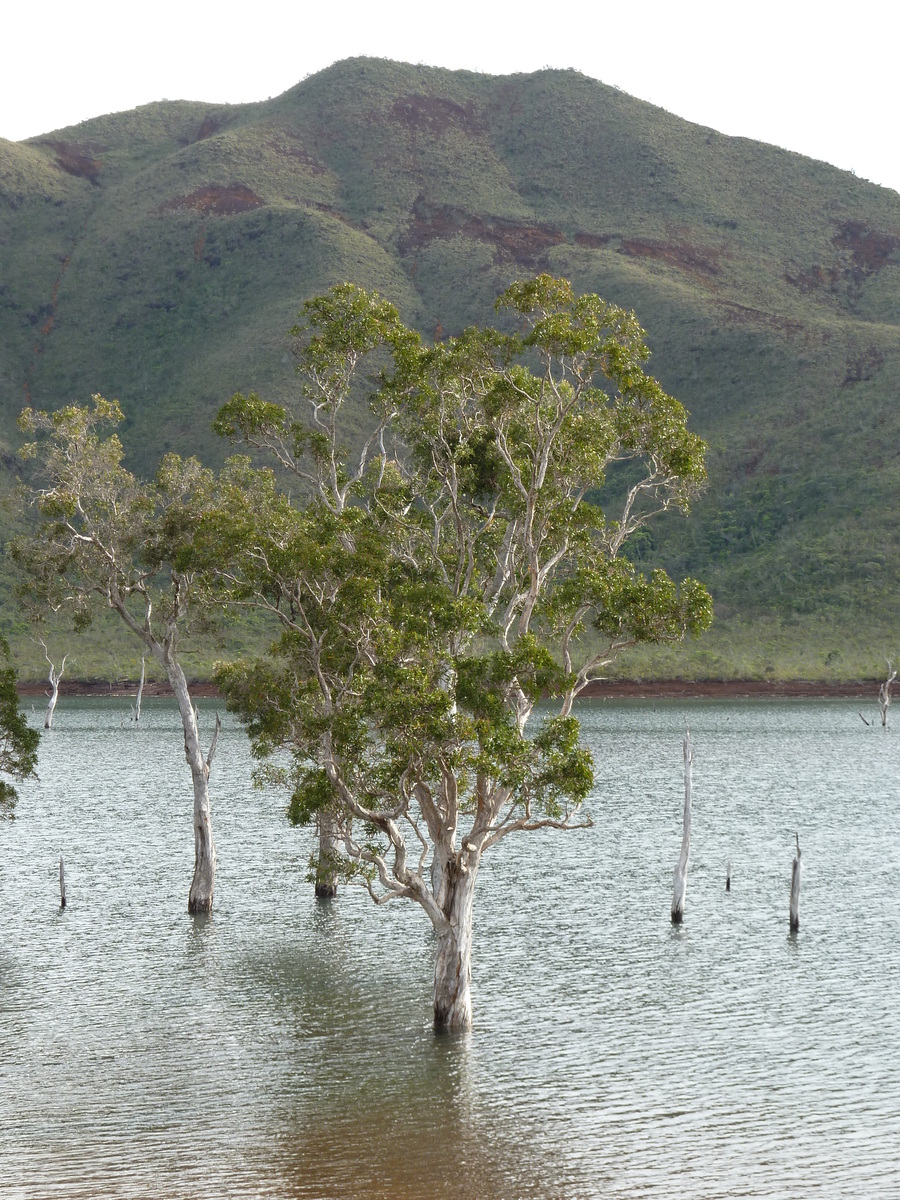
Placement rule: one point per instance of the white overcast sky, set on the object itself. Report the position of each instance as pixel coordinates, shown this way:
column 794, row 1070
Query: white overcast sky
column 818, row 78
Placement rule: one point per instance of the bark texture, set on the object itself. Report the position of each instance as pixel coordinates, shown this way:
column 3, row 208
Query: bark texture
column 680, row 883
column 140, row 692
column 795, row 890
column 329, row 850
column 453, row 962
column 200, row 898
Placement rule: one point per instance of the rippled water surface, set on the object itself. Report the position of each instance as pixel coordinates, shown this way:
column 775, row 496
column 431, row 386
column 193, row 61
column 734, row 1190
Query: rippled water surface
column 282, row 1048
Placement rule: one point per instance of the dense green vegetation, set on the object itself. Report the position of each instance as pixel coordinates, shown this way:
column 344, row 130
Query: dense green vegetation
column 18, row 742
column 160, row 256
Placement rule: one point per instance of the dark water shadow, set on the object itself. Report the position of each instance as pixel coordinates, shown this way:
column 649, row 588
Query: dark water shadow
column 199, row 936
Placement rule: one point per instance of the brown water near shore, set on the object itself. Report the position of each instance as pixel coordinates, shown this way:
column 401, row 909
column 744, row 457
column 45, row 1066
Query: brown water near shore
column 729, row 689
column 121, row 688
column 701, row 689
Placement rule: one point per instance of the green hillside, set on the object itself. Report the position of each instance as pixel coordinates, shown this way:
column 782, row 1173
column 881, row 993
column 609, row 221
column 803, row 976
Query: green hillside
column 159, row 256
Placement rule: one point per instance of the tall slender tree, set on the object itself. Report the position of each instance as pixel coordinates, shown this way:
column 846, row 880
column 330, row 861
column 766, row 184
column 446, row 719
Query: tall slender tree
column 436, row 584
column 107, row 537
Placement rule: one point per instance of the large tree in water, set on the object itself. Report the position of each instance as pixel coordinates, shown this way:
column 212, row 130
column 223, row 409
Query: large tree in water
column 107, row 537
column 473, row 566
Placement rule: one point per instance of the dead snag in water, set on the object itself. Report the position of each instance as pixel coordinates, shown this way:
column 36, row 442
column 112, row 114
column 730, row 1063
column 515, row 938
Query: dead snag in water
column 795, row 889
column 681, row 869
column 62, row 884
column 136, row 708
column 54, row 677
column 728, row 878
column 884, row 694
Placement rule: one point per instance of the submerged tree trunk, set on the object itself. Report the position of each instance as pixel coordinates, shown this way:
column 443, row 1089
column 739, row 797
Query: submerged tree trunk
column 795, row 889
column 326, row 874
column 453, row 962
column 884, row 694
column 54, row 677
column 51, row 704
column 200, row 898
column 140, row 692
column 680, row 887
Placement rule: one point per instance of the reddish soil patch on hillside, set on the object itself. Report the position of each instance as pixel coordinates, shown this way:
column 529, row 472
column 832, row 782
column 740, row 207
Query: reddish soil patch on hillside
column 289, row 146
column 46, row 315
column 211, row 124
column 694, row 260
column 76, row 159
column 221, row 201
column 862, row 252
column 433, row 115
column 869, row 249
column 742, row 314
column 595, row 241
column 523, row 243
column 813, row 279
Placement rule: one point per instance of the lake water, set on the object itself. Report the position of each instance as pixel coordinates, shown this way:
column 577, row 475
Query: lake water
column 283, row 1048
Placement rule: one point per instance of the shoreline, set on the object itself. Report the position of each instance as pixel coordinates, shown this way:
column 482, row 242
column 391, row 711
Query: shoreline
column 648, row 689
column 121, row 689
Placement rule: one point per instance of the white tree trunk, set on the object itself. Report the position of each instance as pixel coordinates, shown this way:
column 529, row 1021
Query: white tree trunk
column 680, row 887
column 140, row 692
column 326, row 877
column 51, row 706
column 200, row 898
column 453, row 962
column 54, row 677
column 884, row 694
column 795, row 890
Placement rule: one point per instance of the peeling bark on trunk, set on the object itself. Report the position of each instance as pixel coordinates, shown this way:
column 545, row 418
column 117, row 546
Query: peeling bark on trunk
column 326, row 876
column 453, row 962
column 680, row 887
column 200, row 898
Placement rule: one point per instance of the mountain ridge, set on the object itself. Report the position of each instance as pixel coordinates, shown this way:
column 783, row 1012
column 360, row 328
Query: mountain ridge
column 160, row 255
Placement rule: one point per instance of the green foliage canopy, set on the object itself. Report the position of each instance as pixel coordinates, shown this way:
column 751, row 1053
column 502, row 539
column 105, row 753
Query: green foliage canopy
column 18, row 743
column 105, row 534
column 440, row 579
